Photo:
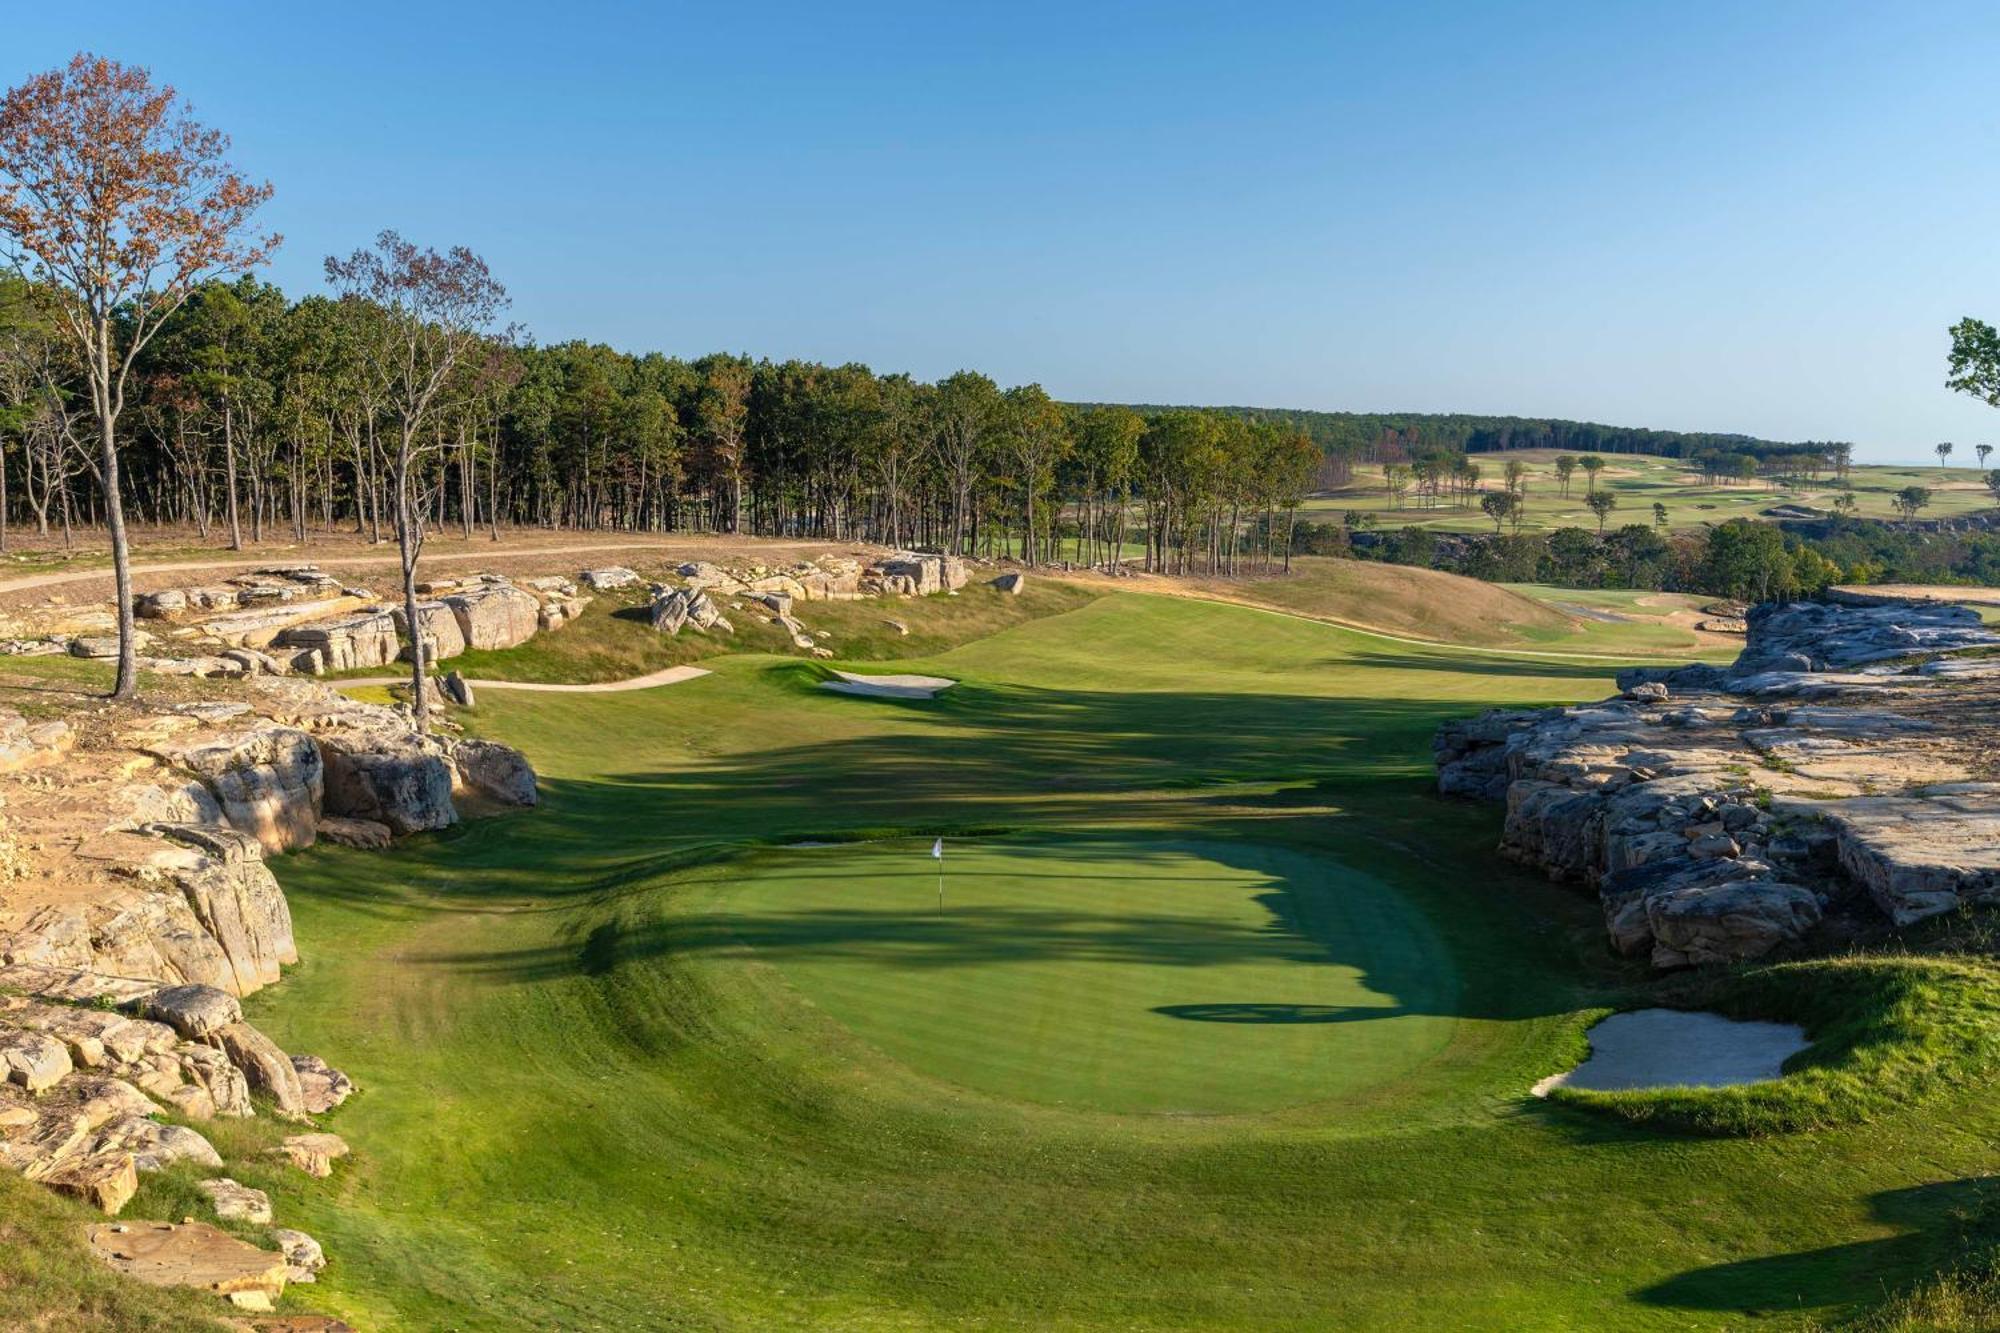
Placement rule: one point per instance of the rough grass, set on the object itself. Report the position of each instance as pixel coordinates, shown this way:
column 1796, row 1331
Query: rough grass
column 608, row 1039
column 51, row 1284
column 1887, row 1033
column 612, row 639
column 1449, row 608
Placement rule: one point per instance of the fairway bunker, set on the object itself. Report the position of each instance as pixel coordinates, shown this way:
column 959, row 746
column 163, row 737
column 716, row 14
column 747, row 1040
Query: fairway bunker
column 888, row 687
column 1676, row 1048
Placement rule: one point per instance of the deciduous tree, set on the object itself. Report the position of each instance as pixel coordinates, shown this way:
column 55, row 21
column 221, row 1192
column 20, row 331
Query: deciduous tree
column 432, row 308
column 118, row 203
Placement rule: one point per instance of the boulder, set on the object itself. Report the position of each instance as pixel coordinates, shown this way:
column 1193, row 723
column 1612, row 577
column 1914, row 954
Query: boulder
column 155, row 605
column 389, row 776
column 25, row 744
column 32, row 1061
column 346, row 643
column 192, row 1254
column 495, row 616
column 267, row 1069
column 668, row 611
column 304, row 1257
column 365, row 834
column 105, row 1181
column 236, row 1202
column 457, row 689
column 154, row 1146
column 267, row 780
column 1011, row 582
column 194, row 1011
column 1727, row 922
column 106, row 645
column 439, row 625
column 313, row 1154
column 497, row 771
column 262, row 625
column 324, row 1086
column 608, row 577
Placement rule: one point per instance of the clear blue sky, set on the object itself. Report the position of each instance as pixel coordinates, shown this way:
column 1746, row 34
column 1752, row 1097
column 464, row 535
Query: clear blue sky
column 1756, row 217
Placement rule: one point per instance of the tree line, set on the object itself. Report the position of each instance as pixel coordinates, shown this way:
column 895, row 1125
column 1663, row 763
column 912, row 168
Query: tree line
column 1404, row 437
column 253, row 414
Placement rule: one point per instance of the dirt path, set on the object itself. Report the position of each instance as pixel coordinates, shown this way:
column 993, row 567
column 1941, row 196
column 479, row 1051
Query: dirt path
column 143, row 573
column 673, row 675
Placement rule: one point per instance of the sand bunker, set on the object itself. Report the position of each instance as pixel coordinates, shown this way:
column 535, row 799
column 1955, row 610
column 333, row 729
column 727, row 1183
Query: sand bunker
column 888, row 687
column 1666, row 1048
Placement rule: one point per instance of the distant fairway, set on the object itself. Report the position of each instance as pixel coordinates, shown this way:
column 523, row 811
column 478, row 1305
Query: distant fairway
column 1110, row 974
column 1642, row 480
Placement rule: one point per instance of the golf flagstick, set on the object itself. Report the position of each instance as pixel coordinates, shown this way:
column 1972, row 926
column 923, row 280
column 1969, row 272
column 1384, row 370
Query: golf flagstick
column 937, row 854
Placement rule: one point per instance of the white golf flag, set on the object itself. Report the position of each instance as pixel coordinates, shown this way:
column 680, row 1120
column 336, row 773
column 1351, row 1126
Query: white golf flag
column 937, row 850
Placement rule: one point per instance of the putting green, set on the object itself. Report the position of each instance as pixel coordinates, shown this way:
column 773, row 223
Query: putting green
column 1109, row 974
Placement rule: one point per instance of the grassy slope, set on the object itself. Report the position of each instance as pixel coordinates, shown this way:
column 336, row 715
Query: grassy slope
column 1448, row 608
column 585, row 1105
column 1642, row 480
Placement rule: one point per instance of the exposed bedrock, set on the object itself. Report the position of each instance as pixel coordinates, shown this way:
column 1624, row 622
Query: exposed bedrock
column 266, row 778
column 1719, row 813
column 188, row 903
column 498, row 615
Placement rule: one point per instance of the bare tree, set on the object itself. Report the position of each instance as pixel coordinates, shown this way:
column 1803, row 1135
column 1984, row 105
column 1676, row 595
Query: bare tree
column 429, row 311
column 119, row 203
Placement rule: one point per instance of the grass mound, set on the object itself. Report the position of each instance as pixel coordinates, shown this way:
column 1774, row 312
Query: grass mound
column 1887, row 1032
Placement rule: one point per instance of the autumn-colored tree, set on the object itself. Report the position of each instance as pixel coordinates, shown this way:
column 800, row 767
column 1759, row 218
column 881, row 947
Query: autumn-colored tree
column 431, row 310
column 118, row 203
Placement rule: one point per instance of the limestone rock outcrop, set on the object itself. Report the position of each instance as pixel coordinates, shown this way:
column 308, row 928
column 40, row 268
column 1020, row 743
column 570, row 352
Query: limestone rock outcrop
column 390, row 776
column 497, row 615
column 608, row 577
column 268, row 780
column 1720, row 813
column 437, row 624
column 495, row 771
column 344, row 643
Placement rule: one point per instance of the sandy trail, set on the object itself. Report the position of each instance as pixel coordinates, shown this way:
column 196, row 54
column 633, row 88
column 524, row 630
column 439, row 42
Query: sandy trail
column 673, row 675
column 1666, row 1048
column 143, row 573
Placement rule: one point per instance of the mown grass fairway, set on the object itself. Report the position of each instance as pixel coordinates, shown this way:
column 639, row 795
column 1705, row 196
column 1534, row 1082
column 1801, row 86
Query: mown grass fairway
column 631, row 1062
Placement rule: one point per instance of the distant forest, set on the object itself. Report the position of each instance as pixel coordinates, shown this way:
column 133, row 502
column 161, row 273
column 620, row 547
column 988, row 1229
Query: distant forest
column 1401, row 437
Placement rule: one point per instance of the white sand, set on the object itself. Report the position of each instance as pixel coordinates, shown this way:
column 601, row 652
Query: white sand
column 888, row 687
column 1665, row 1048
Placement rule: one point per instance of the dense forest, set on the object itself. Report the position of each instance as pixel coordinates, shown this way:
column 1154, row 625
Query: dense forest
column 1402, row 437
column 250, row 413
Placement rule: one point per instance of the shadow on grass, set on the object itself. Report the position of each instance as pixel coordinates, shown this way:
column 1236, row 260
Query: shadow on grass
column 1273, row 1013
column 1019, row 757
column 1940, row 1222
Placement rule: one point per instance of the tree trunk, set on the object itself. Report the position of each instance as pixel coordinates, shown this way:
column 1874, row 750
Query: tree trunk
column 126, row 685
column 408, row 542
column 229, row 470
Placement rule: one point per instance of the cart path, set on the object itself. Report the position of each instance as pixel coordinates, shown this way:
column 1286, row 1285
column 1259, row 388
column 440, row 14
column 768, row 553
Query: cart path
column 673, row 675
